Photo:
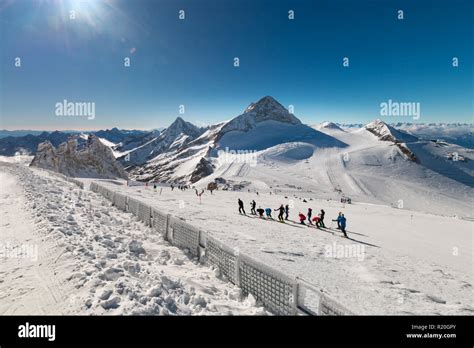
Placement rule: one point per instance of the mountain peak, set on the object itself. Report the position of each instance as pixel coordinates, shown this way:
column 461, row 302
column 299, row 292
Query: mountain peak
column 181, row 126
column 388, row 133
column 265, row 104
column 328, row 125
column 266, row 109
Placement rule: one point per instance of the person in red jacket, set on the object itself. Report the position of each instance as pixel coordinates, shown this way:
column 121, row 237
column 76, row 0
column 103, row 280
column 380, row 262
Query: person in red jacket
column 302, row 218
column 317, row 221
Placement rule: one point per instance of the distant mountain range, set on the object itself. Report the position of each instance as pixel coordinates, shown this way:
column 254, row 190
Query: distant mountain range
column 184, row 152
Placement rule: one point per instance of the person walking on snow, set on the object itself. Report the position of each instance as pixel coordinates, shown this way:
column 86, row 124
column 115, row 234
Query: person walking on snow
column 260, row 212
column 287, row 211
column 321, row 218
column 253, row 204
column 302, row 218
column 281, row 212
column 241, row 207
column 310, row 212
column 268, row 211
column 341, row 221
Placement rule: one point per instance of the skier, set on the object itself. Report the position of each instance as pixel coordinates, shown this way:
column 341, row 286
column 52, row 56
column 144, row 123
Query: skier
column 154, row 186
column 241, row 207
column 260, row 212
column 268, row 211
column 310, row 212
column 317, row 221
column 172, row 187
column 341, row 221
column 281, row 212
column 302, row 218
column 287, row 211
column 253, row 204
column 321, row 218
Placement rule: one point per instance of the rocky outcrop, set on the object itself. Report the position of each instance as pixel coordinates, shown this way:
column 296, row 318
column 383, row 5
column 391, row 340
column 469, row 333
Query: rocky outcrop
column 95, row 160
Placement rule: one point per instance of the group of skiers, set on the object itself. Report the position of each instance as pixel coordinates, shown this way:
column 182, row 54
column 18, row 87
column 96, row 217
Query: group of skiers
column 283, row 213
column 180, row 187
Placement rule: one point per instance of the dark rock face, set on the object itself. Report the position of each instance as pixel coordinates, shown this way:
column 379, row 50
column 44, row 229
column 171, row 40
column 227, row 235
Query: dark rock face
column 203, row 169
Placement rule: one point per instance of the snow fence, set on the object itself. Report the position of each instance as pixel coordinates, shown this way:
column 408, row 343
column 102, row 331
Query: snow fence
column 278, row 292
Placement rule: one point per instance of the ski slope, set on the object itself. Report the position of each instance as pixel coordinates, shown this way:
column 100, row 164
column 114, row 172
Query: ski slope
column 407, row 262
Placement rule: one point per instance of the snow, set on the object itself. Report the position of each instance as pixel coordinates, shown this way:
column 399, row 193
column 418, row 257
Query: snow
column 20, row 159
column 395, row 262
column 94, row 259
column 270, row 133
column 460, row 134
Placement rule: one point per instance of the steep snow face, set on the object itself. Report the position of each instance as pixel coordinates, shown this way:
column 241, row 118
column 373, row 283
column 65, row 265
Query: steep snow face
column 95, row 160
column 265, row 109
column 177, row 135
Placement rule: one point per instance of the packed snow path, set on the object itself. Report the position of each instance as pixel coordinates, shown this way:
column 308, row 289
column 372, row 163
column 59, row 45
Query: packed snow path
column 94, row 259
column 395, row 262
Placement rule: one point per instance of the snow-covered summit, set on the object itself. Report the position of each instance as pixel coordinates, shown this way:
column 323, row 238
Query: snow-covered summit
column 387, row 133
column 177, row 135
column 328, row 125
column 266, row 109
column 180, row 126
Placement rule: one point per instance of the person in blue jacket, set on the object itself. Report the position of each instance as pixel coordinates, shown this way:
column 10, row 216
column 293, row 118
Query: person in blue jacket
column 268, row 211
column 341, row 222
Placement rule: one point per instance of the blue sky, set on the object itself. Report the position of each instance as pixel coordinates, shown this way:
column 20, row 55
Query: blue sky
column 190, row 62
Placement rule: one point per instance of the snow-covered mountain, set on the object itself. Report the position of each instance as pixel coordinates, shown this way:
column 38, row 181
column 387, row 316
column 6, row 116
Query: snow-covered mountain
column 459, row 134
column 94, row 160
column 328, row 125
column 116, row 135
column 262, row 125
column 384, row 132
column 177, row 135
column 27, row 144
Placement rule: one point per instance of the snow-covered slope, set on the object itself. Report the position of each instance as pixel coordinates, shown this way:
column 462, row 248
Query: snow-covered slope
column 327, row 125
column 178, row 134
column 82, row 256
column 385, row 132
column 402, row 262
column 262, row 125
column 94, row 160
column 367, row 170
